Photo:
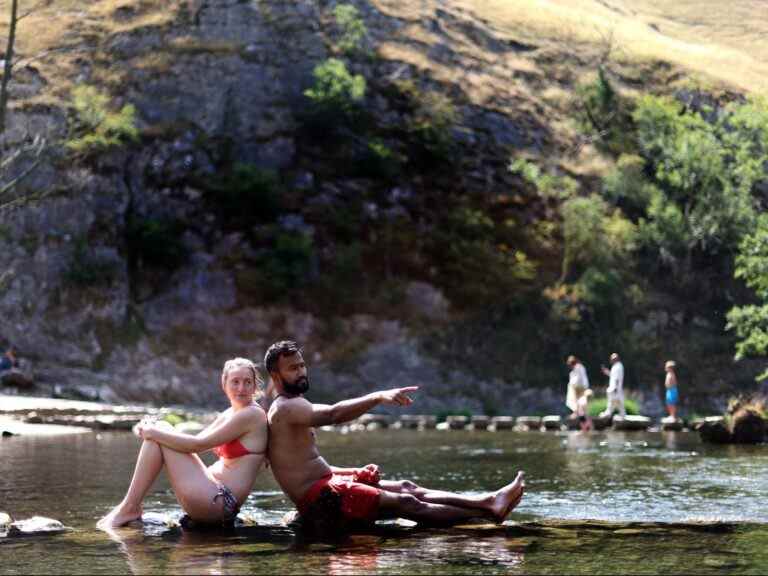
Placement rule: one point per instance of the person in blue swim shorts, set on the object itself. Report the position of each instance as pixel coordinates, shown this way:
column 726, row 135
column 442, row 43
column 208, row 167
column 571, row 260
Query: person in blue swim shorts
column 670, row 383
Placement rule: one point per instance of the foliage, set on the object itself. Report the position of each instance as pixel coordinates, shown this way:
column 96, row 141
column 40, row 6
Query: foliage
column 378, row 161
column 352, row 26
column 593, row 234
column 547, row 185
column 750, row 322
column 704, row 173
column 603, row 114
column 627, row 185
column 433, row 117
column 599, row 405
column 286, row 267
column 335, row 89
column 475, row 258
column 95, row 127
column 157, row 242
column 246, row 195
column 89, row 268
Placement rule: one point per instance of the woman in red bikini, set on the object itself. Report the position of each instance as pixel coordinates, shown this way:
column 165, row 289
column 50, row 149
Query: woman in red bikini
column 210, row 494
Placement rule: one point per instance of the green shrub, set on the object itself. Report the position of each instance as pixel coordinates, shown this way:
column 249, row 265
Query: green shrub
column 335, row 97
column 246, row 195
column 604, row 115
column 282, row 270
column 705, row 172
column 352, row 28
column 157, row 242
column 547, row 185
column 378, row 161
column 95, row 127
column 430, row 126
column 599, row 405
column 87, row 268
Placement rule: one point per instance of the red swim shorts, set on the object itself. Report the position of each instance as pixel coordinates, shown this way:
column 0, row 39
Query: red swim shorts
column 357, row 494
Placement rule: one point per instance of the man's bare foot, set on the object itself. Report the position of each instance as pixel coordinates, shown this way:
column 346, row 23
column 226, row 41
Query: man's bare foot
column 118, row 517
column 505, row 499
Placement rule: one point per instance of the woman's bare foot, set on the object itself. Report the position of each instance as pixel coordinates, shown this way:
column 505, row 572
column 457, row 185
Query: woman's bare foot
column 119, row 516
column 505, row 499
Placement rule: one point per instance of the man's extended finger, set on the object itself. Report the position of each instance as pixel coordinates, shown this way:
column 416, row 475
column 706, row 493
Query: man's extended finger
column 408, row 389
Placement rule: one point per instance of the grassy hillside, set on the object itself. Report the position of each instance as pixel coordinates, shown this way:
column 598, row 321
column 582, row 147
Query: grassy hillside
column 721, row 40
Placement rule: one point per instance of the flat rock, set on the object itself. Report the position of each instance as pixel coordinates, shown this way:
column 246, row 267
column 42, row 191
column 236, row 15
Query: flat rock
column 36, row 525
column 552, row 422
column 672, row 424
column 528, row 422
column 631, row 422
column 503, row 422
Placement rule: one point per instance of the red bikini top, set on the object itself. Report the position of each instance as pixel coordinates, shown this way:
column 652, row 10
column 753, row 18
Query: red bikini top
column 233, row 449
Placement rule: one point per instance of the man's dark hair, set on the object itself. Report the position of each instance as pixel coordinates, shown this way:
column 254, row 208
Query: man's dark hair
column 278, row 349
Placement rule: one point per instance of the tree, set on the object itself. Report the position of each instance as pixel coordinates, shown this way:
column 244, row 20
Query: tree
column 750, row 322
column 704, row 171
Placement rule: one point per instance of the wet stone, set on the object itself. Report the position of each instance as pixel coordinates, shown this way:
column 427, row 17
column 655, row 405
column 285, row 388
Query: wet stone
column 503, row 422
column 631, row 422
column 552, row 422
column 528, row 422
column 36, row 525
column 672, row 424
column 480, row 422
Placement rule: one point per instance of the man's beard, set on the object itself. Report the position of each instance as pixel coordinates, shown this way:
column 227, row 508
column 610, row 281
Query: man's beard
column 296, row 388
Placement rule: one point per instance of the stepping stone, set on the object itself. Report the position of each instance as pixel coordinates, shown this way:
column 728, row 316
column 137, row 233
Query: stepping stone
column 672, row 424
column 480, row 422
column 502, row 422
column 528, row 422
column 552, row 422
column 457, row 422
column 631, row 423
column 374, row 421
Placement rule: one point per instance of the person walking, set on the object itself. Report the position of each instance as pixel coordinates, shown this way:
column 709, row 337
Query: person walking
column 578, row 382
column 615, row 391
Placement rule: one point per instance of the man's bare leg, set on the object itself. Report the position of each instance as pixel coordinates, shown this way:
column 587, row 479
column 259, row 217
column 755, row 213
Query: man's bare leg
column 148, row 466
column 497, row 504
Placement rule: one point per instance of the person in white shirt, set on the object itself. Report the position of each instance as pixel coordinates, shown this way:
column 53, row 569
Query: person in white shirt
column 615, row 389
column 577, row 382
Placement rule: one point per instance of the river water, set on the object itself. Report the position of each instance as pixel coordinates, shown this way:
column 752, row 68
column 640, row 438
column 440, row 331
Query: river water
column 634, row 478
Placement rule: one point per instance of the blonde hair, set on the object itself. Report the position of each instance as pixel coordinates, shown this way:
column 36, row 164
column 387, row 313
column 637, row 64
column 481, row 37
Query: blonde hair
column 670, row 364
column 234, row 364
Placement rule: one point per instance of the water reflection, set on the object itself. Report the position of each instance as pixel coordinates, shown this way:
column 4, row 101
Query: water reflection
column 667, row 477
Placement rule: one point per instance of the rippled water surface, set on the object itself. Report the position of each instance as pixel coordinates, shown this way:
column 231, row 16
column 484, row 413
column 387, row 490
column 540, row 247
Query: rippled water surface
column 624, row 477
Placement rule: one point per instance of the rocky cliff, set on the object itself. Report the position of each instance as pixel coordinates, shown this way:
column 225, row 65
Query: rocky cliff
column 129, row 281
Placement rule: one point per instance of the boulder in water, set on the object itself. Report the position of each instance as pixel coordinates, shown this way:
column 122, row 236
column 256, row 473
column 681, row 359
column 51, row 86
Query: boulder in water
column 714, row 430
column 748, row 426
